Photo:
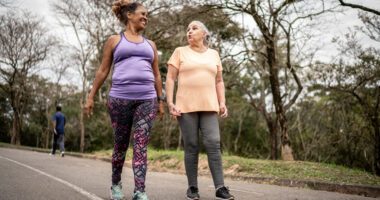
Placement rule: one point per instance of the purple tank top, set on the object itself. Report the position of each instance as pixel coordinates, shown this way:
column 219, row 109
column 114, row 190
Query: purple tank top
column 132, row 76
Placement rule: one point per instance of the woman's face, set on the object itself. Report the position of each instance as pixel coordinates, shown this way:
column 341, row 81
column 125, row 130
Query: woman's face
column 195, row 33
column 139, row 19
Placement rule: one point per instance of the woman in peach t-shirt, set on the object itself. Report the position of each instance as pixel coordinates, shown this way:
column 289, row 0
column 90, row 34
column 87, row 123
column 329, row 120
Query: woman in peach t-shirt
column 199, row 99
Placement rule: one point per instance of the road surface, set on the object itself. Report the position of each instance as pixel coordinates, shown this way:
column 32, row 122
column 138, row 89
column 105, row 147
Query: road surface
column 32, row 175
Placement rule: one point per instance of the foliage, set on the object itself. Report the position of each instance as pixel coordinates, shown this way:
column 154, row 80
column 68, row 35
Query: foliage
column 331, row 129
column 328, row 124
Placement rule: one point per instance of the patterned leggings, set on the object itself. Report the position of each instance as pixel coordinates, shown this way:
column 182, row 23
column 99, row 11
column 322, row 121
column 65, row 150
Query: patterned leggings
column 125, row 116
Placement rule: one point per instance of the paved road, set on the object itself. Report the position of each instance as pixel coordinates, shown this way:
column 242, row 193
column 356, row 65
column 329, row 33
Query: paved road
column 32, row 175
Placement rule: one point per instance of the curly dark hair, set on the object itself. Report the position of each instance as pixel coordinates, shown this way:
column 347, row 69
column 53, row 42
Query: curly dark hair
column 121, row 7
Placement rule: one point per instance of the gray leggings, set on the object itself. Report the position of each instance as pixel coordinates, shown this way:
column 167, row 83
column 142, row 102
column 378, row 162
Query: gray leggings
column 207, row 123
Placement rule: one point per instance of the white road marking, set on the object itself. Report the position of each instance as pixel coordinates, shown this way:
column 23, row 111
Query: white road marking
column 244, row 191
column 76, row 188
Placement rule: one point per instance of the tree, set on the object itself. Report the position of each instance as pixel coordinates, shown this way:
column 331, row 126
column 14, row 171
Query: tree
column 357, row 73
column 329, row 127
column 372, row 29
column 25, row 44
column 360, row 7
column 5, row 118
column 73, row 15
column 5, row 3
column 276, row 21
column 59, row 66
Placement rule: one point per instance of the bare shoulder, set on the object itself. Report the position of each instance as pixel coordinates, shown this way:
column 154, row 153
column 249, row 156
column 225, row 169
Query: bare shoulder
column 152, row 43
column 113, row 40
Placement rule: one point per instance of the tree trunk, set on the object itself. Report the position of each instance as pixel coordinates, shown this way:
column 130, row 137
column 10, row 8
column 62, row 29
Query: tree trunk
column 236, row 142
column 16, row 128
column 376, row 126
column 47, row 131
column 286, row 150
column 82, row 103
column 272, row 126
column 81, row 123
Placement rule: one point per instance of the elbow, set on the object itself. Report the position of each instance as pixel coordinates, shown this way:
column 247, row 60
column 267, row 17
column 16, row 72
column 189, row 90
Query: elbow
column 219, row 83
column 169, row 79
column 101, row 74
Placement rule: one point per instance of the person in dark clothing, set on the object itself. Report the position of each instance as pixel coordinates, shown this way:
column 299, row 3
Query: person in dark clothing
column 59, row 122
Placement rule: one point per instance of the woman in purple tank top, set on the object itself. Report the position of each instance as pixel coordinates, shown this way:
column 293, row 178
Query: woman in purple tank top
column 135, row 95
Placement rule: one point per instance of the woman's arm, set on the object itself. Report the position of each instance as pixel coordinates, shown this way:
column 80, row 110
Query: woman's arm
column 102, row 72
column 171, row 77
column 220, row 93
column 157, row 78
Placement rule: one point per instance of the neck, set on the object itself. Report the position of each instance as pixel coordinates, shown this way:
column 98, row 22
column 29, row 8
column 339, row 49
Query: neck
column 132, row 30
column 198, row 46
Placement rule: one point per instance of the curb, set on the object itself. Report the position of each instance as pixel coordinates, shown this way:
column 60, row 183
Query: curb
column 362, row 190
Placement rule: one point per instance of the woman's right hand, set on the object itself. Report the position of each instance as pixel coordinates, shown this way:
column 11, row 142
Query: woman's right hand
column 89, row 106
column 174, row 110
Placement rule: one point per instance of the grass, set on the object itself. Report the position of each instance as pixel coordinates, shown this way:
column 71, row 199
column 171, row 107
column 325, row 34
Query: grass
column 171, row 160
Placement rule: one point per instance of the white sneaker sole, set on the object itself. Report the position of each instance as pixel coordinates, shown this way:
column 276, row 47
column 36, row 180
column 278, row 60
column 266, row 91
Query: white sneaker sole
column 187, row 198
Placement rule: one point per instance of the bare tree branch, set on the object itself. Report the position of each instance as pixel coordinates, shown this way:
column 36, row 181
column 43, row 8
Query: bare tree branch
column 356, row 6
column 5, row 3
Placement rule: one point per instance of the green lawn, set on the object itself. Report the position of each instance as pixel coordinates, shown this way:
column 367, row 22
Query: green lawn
column 164, row 160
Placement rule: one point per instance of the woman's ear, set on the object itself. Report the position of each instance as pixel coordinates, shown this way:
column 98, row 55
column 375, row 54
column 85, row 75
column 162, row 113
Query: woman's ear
column 129, row 15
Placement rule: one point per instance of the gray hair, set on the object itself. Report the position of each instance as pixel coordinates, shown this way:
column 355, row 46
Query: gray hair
column 206, row 39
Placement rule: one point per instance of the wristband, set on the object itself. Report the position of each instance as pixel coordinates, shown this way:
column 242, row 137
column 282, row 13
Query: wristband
column 161, row 98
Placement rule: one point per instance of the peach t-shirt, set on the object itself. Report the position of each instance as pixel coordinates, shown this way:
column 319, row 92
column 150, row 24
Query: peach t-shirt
column 196, row 79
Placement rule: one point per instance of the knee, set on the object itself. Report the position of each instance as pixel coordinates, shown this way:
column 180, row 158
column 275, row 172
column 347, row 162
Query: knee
column 141, row 141
column 191, row 147
column 212, row 143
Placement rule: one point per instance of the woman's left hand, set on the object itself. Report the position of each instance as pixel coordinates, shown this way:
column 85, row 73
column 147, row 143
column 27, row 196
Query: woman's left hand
column 223, row 110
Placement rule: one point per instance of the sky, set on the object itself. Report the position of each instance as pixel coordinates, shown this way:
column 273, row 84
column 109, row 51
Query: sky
column 337, row 25
column 42, row 8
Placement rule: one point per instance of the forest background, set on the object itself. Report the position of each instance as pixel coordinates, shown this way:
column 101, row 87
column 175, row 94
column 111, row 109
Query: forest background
column 294, row 92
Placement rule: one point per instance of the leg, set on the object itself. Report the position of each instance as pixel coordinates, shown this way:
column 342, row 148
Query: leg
column 189, row 124
column 142, row 123
column 211, row 139
column 120, row 111
column 55, row 138
column 61, row 142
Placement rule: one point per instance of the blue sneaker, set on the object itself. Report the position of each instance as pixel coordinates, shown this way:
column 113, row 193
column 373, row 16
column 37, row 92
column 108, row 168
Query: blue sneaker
column 117, row 192
column 140, row 196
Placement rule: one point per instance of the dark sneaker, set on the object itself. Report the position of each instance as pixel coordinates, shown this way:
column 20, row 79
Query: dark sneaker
column 192, row 193
column 62, row 154
column 223, row 193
